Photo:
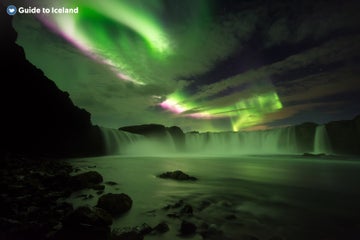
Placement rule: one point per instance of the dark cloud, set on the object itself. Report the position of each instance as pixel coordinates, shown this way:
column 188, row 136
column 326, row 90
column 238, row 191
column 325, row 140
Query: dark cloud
column 307, row 52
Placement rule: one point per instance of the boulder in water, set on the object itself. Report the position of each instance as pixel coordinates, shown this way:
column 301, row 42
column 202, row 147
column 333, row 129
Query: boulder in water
column 85, row 180
column 85, row 215
column 187, row 228
column 314, row 155
column 86, row 223
column 161, row 228
column 115, row 204
column 177, row 175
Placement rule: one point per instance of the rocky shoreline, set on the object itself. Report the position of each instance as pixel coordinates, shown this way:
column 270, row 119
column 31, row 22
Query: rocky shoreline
column 31, row 188
column 33, row 204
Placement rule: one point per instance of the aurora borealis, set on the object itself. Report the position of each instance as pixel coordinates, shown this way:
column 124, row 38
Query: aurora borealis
column 202, row 65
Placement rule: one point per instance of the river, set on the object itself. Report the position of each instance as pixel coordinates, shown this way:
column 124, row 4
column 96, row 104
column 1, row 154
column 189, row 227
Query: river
column 284, row 196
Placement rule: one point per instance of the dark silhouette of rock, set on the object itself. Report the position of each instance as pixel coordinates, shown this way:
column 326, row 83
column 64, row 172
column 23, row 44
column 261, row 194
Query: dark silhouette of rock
column 187, row 210
column 161, row 228
column 127, row 235
column 111, row 183
column 314, row 154
column 86, row 216
column 187, row 228
column 86, row 180
column 30, row 203
column 115, row 204
column 134, row 233
column 305, row 136
column 37, row 117
column 85, row 223
column 344, row 136
column 143, row 229
column 177, row 175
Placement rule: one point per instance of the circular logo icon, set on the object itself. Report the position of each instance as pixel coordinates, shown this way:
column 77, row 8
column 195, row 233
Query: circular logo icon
column 11, row 10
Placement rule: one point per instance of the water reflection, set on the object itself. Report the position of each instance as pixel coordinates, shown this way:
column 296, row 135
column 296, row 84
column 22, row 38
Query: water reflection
column 290, row 196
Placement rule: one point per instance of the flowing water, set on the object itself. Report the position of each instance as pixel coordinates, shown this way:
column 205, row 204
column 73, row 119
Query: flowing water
column 322, row 142
column 289, row 196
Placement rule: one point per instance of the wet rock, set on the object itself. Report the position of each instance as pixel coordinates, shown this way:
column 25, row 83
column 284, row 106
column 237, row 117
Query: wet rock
column 248, row 237
column 173, row 215
column 115, row 204
column 86, row 223
column 187, row 210
column 314, row 154
column 161, row 228
column 175, row 205
column 231, row 217
column 98, row 187
column 135, row 233
column 128, row 236
column 211, row 232
column 87, row 232
column 187, row 228
column 276, row 238
column 143, row 229
column 204, row 204
column 31, row 205
column 177, row 175
column 111, row 183
column 88, row 216
column 85, row 180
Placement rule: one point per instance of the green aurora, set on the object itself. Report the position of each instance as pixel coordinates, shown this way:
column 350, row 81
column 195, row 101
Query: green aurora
column 155, row 51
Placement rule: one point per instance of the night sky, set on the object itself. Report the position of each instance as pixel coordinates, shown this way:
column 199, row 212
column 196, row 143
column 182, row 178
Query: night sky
column 200, row 64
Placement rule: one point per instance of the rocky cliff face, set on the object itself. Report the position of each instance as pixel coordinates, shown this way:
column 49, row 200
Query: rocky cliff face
column 305, row 136
column 344, row 136
column 37, row 117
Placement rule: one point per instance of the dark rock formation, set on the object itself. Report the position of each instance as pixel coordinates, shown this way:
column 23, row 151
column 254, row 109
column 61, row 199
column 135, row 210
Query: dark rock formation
column 187, row 210
column 87, row 216
column 177, row 175
column 161, row 228
column 159, row 132
column 178, row 137
column 86, row 180
column 30, row 203
column 143, row 229
column 134, row 233
column 86, row 223
column 115, row 204
column 305, row 135
column 344, row 136
column 127, row 235
column 314, row 155
column 37, row 117
column 187, row 228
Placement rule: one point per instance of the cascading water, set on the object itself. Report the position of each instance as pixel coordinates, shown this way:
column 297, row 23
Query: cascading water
column 122, row 142
column 321, row 142
column 153, row 146
column 117, row 141
column 274, row 141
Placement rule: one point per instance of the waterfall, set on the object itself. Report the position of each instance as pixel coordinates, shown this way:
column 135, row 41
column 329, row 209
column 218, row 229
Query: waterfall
column 153, row 146
column 273, row 141
column 117, row 141
column 321, row 142
column 126, row 143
